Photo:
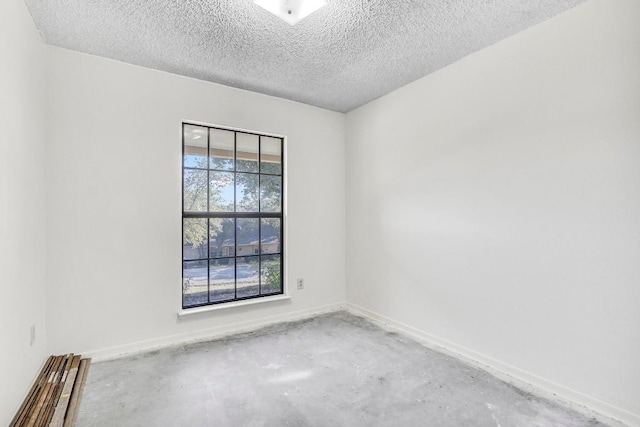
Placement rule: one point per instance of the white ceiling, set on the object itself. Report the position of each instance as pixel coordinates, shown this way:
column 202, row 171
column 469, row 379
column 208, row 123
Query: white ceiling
column 341, row 57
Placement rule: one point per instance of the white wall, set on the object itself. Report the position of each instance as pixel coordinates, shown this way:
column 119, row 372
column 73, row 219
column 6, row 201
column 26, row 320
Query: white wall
column 114, row 195
column 22, row 204
column 496, row 205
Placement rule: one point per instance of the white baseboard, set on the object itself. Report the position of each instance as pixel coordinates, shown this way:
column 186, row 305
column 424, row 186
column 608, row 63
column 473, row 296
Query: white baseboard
column 206, row 334
column 520, row 378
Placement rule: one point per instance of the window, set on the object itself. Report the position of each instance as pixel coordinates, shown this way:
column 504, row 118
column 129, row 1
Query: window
column 232, row 222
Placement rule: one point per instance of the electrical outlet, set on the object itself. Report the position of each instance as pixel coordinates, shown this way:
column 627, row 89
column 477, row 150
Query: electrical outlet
column 300, row 283
column 33, row 334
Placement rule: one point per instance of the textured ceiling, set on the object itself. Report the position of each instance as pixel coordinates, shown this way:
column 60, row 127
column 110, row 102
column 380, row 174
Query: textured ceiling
column 344, row 55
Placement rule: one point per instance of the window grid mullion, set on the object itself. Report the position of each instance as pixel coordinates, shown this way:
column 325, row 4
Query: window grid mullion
column 235, row 221
column 259, row 219
column 208, row 219
column 281, row 249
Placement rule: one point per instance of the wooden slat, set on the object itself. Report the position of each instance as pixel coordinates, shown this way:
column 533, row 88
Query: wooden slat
column 40, row 401
column 56, row 389
column 76, row 394
column 54, row 397
column 43, row 416
column 65, row 395
column 32, row 395
column 47, row 401
column 23, row 415
column 44, row 392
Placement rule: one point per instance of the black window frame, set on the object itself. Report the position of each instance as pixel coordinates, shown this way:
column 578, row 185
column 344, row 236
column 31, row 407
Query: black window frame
column 235, row 215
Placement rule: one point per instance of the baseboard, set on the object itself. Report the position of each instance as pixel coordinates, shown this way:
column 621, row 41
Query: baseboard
column 525, row 380
column 206, row 334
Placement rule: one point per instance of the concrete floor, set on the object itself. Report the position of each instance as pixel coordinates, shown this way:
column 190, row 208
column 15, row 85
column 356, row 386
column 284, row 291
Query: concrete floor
column 332, row 370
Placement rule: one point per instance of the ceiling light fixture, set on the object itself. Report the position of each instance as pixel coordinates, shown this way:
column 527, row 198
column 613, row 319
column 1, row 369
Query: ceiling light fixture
column 291, row 11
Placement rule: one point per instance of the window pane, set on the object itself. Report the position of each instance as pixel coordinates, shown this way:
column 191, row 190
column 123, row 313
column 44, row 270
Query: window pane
column 222, row 279
column 221, row 149
column 195, row 146
column 247, row 152
column 229, row 175
column 195, row 190
column 221, row 237
column 270, row 155
column 247, row 192
column 270, row 193
column 270, row 235
column 247, row 237
column 270, row 280
column 194, row 283
column 221, row 191
column 194, row 238
column 247, row 274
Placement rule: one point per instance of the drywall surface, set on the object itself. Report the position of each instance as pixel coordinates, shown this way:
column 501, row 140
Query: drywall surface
column 22, row 204
column 496, row 205
column 114, row 194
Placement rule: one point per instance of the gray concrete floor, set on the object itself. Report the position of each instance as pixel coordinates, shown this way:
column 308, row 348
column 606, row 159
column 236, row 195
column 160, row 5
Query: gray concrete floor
column 332, row 370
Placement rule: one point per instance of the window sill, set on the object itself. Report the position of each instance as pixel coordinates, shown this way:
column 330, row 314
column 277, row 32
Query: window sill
column 224, row 306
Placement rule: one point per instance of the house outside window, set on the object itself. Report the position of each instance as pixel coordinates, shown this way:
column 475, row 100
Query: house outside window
column 232, row 215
